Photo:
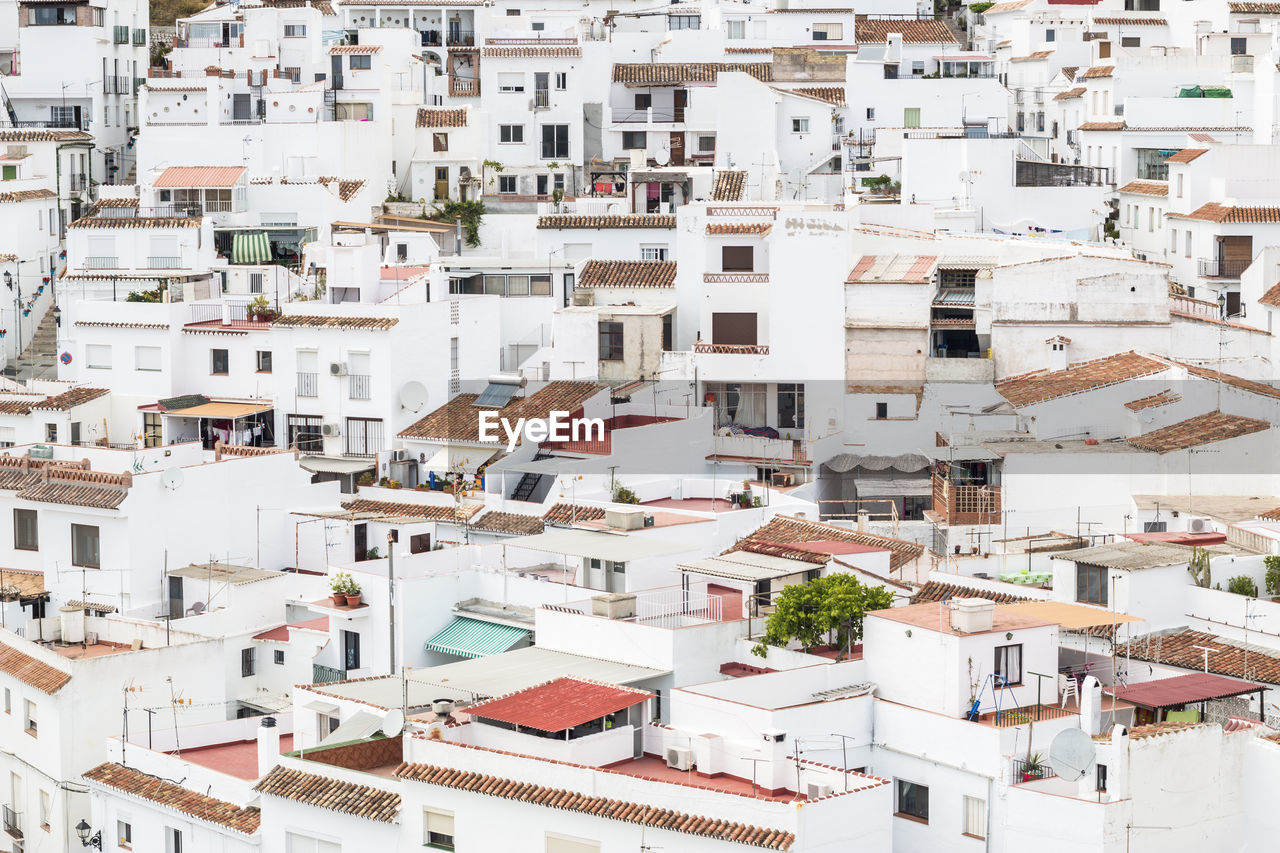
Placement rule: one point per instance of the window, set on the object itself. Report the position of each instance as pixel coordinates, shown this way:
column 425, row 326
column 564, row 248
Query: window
column 350, row 650
column 26, row 535
column 297, row 843
column 45, row 16
column 29, row 717
column 510, row 81
column 517, row 285
column 44, row 810
column 507, row 184
column 737, row 258
column 511, row 133
column 97, row 356
column 1101, row 778
column 294, row 73
column 124, row 834
column 361, row 63
column 562, row 81
column 913, row 801
column 871, row 113
column 555, row 141
column 564, row 844
column 1091, row 584
column 439, row 142
column 1130, row 41
column 152, row 428
column 1151, row 219
column 684, row 22
column 737, row 29
column 303, row 432
column 1173, row 239
column 278, row 657
column 8, row 701
column 653, row 252
column 1008, row 665
column 800, row 125
column 246, row 662
column 51, row 433
column 1239, row 46
column 364, row 436
column 264, row 360
column 737, row 329
column 828, row 32
column 1180, row 177
column 633, row 140
column 911, row 117
column 538, row 26
column 706, row 144
column 539, row 285
column 172, row 840
column 1188, row 248
column 882, row 411
column 219, row 362
column 437, row 829
column 790, row 405
column 146, row 359
column 84, row 546
column 295, row 31
column 975, row 815
column 610, row 341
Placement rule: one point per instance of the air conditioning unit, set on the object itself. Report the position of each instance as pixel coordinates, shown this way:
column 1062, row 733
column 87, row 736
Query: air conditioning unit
column 337, row 368
column 330, row 430
column 400, row 455
column 584, row 298
column 814, row 790
column 1199, row 525
column 679, row 758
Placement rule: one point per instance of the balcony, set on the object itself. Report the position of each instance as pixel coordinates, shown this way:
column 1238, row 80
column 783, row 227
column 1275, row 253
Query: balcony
column 963, row 503
column 155, row 262
column 460, row 38
column 462, row 87
column 12, row 822
column 321, row 674
column 120, row 34
column 113, row 85
column 1033, row 173
column 358, row 386
column 308, row 384
column 93, row 262
column 78, row 182
column 1222, row 267
column 735, row 278
column 731, row 349
column 541, row 99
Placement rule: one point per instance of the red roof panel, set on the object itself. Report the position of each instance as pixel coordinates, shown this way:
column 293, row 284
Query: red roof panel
column 559, row 705
column 1183, row 690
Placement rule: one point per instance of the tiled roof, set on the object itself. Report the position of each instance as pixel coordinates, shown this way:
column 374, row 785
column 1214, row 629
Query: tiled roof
column 45, row 136
column 1164, row 398
column 876, row 30
column 676, row 73
column 337, row 796
column 321, row 6
column 939, row 591
column 1146, row 188
column 1069, row 71
column 396, row 509
column 458, row 420
column 1029, row 388
column 1272, row 296
column 1103, row 125
column 1163, row 728
column 739, row 227
column 560, row 704
column 515, row 523
column 30, row 584
column 1202, row 429
column 320, row 321
column 914, row 269
column 31, row 671
column 1180, row 649
column 626, row 220
column 628, row 812
column 27, row 195
column 1012, row 6
column 1097, row 71
column 544, row 52
column 347, row 187
column 1138, row 21
column 108, row 324
column 570, row 514
column 730, row 185
column 628, row 274
column 70, row 399
column 1186, row 155
column 1077, row 92
column 1214, row 212
column 830, row 94
column 174, row 796
column 15, row 407
column 1033, row 57
column 136, row 222
column 355, row 48
column 1254, row 8
column 750, row 49
column 200, row 176
column 96, row 606
column 786, row 530
column 441, row 118
column 78, row 487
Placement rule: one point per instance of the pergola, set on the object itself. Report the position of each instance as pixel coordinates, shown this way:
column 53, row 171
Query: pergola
column 1198, row 688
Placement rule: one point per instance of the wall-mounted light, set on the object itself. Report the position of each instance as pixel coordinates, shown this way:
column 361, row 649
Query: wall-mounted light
column 1009, row 636
column 83, row 829
column 908, row 632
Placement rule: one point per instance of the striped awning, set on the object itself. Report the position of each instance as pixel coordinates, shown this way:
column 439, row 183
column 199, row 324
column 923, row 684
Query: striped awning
column 251, row 247
column 473, row 638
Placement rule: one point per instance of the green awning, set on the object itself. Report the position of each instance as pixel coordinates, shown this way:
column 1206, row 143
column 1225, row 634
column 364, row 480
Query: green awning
column 473, row 638
column 250, row 248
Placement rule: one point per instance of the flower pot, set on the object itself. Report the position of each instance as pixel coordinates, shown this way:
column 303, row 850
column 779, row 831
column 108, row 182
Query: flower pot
column 353, row 600
column 339, row 599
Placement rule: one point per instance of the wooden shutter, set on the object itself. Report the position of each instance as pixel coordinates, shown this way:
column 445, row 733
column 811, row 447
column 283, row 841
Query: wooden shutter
column 733, row 328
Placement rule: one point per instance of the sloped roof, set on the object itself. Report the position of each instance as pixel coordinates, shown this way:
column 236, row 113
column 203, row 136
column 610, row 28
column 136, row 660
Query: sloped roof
column 314, row 321
column 927, row 31
column 1272, row 296
column 71, row 398
column 531, row 51
column 1164, row 398
column 1214, row 212
column 327, row 793
column 218, row 177
column 1207, row 428
column 1077, row 92
column 1033, row 57
column 723, row 228
column 831, row 94
column 1136, row 21
column 567, row 513
column 1185, row 649
column 50, row 135
column 787, row 530
column 32, row 671
column 173, row 796
column 625, row 220
column 458, row 420
column 514, row 523
column 78, row 487
column 914, row 269
column 441, row 117
column 730, row 185
column 1186, row 155
column 676, row 73
column 1155, row 188
column 560, row 704
column 26, row 195
column 628, row 274
column 397, row 509
column 1029, row 388
column 1254, row 8
column 1097, row 71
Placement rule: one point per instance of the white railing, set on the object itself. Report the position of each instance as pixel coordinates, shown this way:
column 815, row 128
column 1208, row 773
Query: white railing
column 677, row 608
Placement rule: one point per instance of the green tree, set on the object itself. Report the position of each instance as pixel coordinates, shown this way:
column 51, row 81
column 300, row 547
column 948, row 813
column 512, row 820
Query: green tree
column 826, row 609
column 1273, row 574
column 1243, row 585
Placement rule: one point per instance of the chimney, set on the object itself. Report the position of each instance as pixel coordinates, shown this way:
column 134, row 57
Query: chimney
column 268, row 746
column 614, row 605
column 972, row 615
column 1091, row 705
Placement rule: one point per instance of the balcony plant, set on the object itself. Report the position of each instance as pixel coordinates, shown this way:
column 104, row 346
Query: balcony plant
column 1272, row 577
column 338, row 585
column 352, row 592
column 1033, row 768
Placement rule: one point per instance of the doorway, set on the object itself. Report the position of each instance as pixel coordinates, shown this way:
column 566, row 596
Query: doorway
column 677, row 149
column 442, row 183
column 361, row 539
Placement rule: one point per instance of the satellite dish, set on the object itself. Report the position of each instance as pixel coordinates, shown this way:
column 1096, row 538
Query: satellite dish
column 393, row 723
column 1072, row 754
column 662, row 157
column 172, row 478
column 413, row 395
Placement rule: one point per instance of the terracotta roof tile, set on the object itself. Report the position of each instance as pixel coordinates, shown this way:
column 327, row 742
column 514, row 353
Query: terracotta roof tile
column 928, row 31
column 1179, row 649
column 355, row 49
column 26, row 195
column 45, row 136
column 78, row 487
column 1254, row 8
column 1159, row 188
column 1265, row 389
column 337, row 796
column 458, row 420
column 1214, row 212
column 559, row 704
column 200, row 176
column 70, row 399
column 1164, row 398
column 1202, row 429
column 1011, row 6
column 570, row 514
column 730, row 185
column 32, row 671
column 514, row 523
column 625, row 220
column 106, row 324
column 1029, row 388
column 533, row 51
column 1271, row 297
column 1186, row 155
column 831, row 94
column 1069, row 71
column 628, row 274
column 30, row 584
column 320, row 321
column 621, row 810
column 786, row 530
column 173, row 796
column 1077, row 92
column 441, row 118
column 723, row 228
column 136, row 222
column 676, row 73
column 1033, row 57
column 1103, row 125
column 15, row 407
column 940, row 591
column 1136, row 21
column 750, row 49
column 1098, row 71
column 873, row 269
column 397, row 509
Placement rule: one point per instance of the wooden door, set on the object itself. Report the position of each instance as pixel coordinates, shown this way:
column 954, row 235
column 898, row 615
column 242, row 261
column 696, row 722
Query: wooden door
column 680, row 100
column 677, row 149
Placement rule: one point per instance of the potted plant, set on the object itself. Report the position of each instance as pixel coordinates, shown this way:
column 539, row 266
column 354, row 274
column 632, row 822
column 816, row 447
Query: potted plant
column 1032, row 769
column 352, row 591
column 338, row 585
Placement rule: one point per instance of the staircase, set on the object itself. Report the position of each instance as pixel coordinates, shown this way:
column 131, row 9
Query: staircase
column 41, row 352
column 525, row 488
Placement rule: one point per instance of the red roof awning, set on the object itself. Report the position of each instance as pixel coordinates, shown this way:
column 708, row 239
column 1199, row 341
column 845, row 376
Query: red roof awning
column 215, row 177
column 1184, row 690
column 559, row 705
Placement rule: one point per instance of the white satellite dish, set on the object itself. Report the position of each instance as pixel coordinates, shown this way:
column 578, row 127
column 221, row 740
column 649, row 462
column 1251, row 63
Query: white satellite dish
column 1072, row 754
column 393, row 723
column 413, row 395
column 172, row 478
column 662, row 156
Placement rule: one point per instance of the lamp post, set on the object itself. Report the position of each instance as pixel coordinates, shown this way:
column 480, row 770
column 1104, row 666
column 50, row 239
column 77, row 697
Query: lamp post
column 86, row 840
column 17, row 298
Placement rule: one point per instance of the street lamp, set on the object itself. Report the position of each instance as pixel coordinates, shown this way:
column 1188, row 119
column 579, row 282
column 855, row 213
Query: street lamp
column 57, row 316
column 83, row 829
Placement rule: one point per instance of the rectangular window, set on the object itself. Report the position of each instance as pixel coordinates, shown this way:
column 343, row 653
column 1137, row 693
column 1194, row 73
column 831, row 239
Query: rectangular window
column 246, row 662
column 800, row 125
column 1101, row 782
column 634, row 140
column 264, row 361
column 152, row 428
column 1173, row 239
column 437, row 829
column 1130, row 41
column 304, row 433
column 882, row 411
column 172, row 840
column 653, row 252
column 26, row 531
column 610, row 341
column 684, row 22
column 517, row 285
column 564, row 844
column 350, row 650
column 737, row 29
column 1050, row 35
column 911, row 117
column 29, row 717
column 1239, row 46
column 45, row 804
column 84, row 546
column 510, row 81
column 364, row 437
column 45, row 16
column 706, row 144
column 419, row 543
column 124, row 833
column 975, row 816
column 828, row 32
column 8, row 701
column 1008, row 664
column 439, row 142
column 511, row 133
column 295, row 31
column 871, row 113
column 737, row 258
column 278, row 657
column 913, row 801
column 295, row 842
column 219, row 362
column 644, row 101
column 1188, row 248
column 97, row 356
column 562, row 81
column 146, row 359
column 790, row 405
column 1180, row 177
column 507, row 184
column 539, row 285
column 555, row 141
column 1091, row 584
column 51, row 433
column 736, row 329
column 361, row 63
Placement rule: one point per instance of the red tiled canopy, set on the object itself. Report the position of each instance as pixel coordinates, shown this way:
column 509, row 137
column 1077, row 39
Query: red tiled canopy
column 559, row 705
column 1184, row 690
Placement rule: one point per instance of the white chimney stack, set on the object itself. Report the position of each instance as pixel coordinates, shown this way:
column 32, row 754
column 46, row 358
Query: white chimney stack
column 268, row 745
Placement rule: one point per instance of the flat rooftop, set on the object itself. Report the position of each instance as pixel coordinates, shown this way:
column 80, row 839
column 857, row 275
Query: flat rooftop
column 1229, row 508
column 652, row 767
column 934, row 616
column 238, row 759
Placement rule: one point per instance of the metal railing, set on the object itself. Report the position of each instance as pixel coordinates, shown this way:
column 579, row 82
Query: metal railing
column 308, row 384
column 1223, row 268
column 1025, row 772
column 358, row 386
column 12, row 822
column 460, row 38
column 101, row 263
column 735, row 277
column 541, row 99
column 321, row 674
column 79, row 182
column 156, row 262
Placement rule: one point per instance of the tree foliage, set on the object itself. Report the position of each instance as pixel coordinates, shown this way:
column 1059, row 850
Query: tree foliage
column 827, row 609
column 1272, row 577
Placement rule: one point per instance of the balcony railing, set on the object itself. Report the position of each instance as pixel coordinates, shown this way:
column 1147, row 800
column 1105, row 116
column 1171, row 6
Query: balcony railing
column 1024, row 772
column 156, row 262
column 460, row 38
column 541, row 99
column 308, row 384
column 735, row 277
column 101, row 263
column 113, row 85
column 321, row 674
column 462, row 87
column 12, row 822
column 79, row 182
column 1223, row 268
column 731, row 349
column 358, row 386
